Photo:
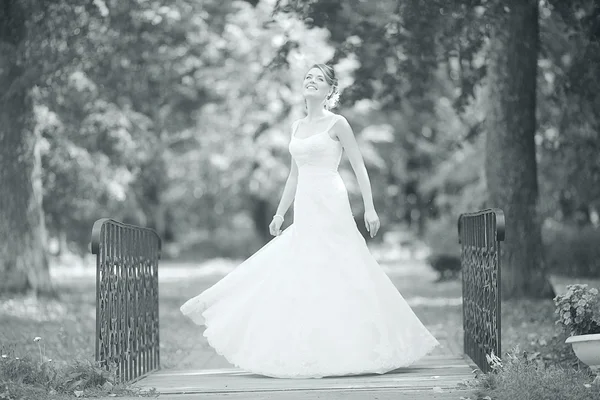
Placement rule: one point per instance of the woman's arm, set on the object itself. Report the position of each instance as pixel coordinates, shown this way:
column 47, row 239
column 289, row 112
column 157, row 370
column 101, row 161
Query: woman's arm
column 344, row 133
column 289, row 191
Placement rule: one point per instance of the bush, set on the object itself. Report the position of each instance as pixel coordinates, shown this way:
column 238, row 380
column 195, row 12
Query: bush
column 448, row 266
column 572, row 250
column 518, row 377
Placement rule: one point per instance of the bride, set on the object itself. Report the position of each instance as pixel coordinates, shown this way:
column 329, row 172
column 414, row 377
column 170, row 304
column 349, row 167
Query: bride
column 313, row 302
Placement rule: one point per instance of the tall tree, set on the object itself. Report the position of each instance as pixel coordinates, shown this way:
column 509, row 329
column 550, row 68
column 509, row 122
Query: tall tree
column 23, row 260
column 511, row 170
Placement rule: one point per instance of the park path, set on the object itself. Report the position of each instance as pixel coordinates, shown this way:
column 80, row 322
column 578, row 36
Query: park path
column 201, row 374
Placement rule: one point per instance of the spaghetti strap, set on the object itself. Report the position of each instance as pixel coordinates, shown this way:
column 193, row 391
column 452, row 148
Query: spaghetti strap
column 336, row 118
column 295, row 127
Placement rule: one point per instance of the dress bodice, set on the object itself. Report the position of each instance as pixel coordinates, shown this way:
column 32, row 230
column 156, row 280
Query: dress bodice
column 318, row 152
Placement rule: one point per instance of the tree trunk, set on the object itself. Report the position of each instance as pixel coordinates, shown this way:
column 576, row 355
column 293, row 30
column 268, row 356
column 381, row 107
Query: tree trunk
column 23, row 258
column 511, row 169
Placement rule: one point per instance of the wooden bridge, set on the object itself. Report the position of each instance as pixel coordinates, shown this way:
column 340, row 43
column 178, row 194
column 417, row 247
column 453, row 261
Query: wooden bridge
column 127, row 329
column 441, row 375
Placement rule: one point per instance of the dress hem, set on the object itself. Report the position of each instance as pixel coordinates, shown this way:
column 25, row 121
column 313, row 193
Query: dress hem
column 342, row 373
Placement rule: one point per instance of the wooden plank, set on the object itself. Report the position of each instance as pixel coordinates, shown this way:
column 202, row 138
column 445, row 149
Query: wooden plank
column 241, row 385
column 398, row 387
column 383, row 394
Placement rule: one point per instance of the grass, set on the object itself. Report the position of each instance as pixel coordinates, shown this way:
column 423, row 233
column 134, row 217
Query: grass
column 520, row 378
column 64, row 355
column 536, row 362
column 31, row 378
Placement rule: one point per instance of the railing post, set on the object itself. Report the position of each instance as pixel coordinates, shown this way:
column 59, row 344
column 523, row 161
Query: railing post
column 479, row 235
column 127, row 324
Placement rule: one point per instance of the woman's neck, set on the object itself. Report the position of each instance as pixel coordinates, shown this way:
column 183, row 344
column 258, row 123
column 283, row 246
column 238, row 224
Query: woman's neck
column 315, row 111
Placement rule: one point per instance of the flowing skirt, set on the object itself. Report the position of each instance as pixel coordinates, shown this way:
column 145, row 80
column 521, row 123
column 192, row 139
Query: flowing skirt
column 313, row 302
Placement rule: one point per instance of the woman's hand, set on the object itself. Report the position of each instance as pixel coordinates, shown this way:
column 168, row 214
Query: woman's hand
column 372, row 222
column 275, row 226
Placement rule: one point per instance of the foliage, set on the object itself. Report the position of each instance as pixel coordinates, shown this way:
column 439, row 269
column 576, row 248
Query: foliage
column 176, row 115
column 110, row 110
column 155, row 113
column 578, row 310
column 567, row 144
column 517, row 377
column 407, row 37
column 400, row 81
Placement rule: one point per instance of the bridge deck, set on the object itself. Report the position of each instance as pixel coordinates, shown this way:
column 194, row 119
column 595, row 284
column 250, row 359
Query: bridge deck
column 440, row 375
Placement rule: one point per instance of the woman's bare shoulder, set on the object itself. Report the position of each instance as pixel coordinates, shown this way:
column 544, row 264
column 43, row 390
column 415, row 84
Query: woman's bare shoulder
column 340, row 120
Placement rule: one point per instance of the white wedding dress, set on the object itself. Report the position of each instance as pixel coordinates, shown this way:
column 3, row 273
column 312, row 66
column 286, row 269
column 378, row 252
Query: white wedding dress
column 313, row 302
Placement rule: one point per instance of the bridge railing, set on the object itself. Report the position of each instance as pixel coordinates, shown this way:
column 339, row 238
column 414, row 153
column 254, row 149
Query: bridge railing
column 127, row 328
column 480, row 234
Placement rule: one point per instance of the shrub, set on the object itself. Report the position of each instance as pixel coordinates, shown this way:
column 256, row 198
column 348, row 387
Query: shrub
column 448, row 266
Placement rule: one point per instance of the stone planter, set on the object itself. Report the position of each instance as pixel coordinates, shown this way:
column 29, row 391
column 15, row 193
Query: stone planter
column 587, row 349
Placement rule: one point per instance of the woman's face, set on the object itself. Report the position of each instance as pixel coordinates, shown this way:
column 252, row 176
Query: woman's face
column 315, row 85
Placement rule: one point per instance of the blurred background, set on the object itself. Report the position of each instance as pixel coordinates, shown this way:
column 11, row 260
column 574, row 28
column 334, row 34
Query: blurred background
column 176, row 115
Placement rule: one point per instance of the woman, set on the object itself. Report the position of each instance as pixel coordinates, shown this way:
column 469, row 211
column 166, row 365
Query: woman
column 313, row 302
